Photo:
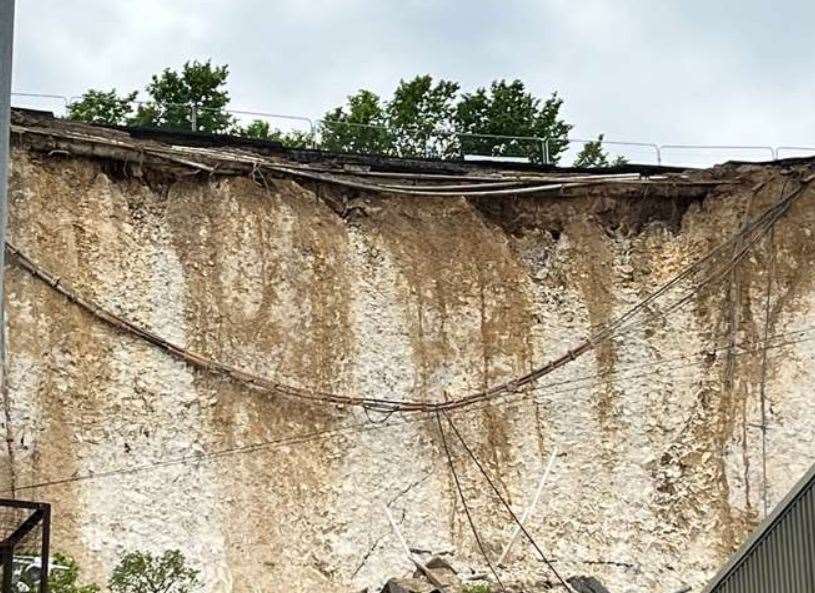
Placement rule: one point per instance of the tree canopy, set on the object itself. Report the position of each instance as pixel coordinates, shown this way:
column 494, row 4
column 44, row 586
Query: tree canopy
column 593, row 155
column 507, row 110
column 430, row 119
column 358, row 126
column 102, row 107
column 420, row 115
column 172, row 96
column 424, row 117
column 66, row 578
column 142, row 572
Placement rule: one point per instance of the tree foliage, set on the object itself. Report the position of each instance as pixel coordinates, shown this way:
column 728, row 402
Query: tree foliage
column 508, row 109
column 424, row 117
column 66, row 580
column 358, row 126
column 257, row 128
column 428, row 118
column 142, row 572
column 420, row 115
column 262, row 130
column 174, row 95
column 594, row 156
column 102, row 107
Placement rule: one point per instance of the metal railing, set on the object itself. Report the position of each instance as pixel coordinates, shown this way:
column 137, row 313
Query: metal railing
column 797, row 149
column 647, row 145
column 769, row 150
column 436, row 143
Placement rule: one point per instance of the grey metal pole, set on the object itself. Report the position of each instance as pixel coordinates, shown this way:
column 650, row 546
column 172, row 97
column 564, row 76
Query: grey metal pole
column 6, row 44
column 7, row 41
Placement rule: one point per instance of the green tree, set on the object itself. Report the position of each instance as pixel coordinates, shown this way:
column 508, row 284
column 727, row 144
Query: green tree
column 357, row 126
column 142, row 572
column 174, row 95
column 508, row 109
column 262, row 130
column 257, row 128
column 64, row 576
column 293, row 139
column 420, row 114
column 102, row 107
column 594, row 156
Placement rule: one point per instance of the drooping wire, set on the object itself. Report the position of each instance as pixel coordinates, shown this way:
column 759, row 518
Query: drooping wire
column 385, row 404
column 473, row 528
column 367, row 426
column 506, row 504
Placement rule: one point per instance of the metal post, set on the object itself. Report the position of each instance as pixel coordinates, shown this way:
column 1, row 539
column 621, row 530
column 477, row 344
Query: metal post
column 45, row 550
column 7, row 43
column 194, row 117
column 8, row 568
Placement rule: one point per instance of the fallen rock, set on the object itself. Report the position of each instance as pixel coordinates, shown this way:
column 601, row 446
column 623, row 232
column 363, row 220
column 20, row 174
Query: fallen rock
column 441, row 570
column 586, row 585
column 408, row 586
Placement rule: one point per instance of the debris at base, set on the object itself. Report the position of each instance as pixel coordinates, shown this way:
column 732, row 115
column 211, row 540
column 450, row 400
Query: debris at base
column 436, row 576
column 586, row 585
column 415, row 585
column 442, row 572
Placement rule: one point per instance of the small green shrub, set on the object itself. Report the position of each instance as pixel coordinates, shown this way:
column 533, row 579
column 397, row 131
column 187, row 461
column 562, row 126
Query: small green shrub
column 142, row 572
column 479, row 588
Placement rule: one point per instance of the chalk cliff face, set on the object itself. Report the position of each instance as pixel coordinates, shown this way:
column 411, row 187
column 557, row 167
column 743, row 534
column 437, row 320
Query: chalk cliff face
column 659, row 467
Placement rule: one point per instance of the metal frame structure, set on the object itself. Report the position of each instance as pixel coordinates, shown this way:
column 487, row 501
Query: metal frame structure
column 40, row 515
column 779, row 556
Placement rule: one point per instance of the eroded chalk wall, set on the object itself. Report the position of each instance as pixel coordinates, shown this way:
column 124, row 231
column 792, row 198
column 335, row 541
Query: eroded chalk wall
column 658, row 475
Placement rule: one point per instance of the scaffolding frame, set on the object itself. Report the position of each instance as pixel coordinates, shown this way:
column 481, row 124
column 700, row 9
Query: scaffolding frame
column 39, row 516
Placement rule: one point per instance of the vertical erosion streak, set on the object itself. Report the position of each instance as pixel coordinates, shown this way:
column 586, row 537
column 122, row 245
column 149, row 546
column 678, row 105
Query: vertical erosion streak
column 729, row 400
column 763, row 385
column 593, row 261
column 493, row 426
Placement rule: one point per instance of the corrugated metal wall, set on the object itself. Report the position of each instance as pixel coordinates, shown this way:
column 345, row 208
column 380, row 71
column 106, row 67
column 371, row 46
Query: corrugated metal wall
column 780, row 556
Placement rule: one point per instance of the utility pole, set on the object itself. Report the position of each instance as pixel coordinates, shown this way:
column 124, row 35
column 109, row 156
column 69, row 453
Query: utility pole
column 6, row 45
column 7, row 42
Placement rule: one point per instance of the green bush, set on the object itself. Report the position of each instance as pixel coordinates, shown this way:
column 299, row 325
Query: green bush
column 479, row 588
column 142, row 572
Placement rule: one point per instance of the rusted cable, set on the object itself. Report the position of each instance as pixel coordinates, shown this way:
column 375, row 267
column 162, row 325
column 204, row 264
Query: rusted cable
column 321, row 434
column 760, row 225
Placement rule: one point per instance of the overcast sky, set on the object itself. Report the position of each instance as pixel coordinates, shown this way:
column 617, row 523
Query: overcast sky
column 690, row 71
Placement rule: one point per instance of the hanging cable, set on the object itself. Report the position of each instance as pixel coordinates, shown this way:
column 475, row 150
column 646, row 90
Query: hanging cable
column 360, row 427
column 385, row 404
column 464, row 503
column 506, row 504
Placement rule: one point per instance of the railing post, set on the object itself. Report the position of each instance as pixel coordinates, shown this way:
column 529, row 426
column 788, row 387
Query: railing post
column 194, row 117
column 6, row 46
column 45, row 549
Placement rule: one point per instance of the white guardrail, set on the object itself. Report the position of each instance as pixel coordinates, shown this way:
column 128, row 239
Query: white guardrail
column 447, row 143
